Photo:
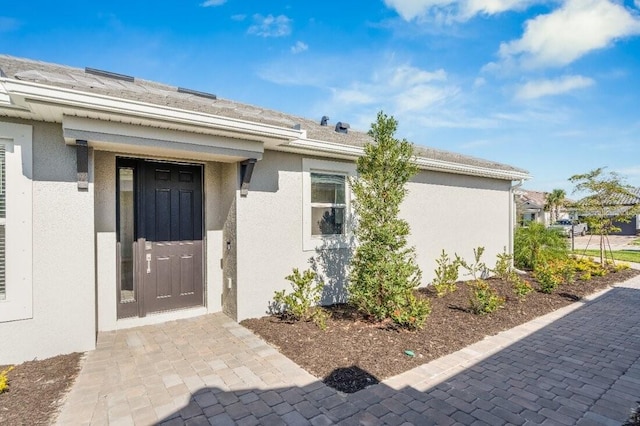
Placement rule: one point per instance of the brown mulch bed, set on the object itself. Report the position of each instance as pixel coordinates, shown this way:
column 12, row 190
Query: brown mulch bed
column 36, row 389
column 353, row 353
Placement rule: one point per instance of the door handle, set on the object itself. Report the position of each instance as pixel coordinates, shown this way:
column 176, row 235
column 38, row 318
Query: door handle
column 148, row 258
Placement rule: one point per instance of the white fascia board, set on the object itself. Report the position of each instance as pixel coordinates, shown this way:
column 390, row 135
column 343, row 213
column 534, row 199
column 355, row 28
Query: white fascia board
column 422, row 162
column 84, row 100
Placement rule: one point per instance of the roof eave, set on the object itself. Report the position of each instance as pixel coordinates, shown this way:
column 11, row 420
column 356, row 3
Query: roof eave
column 15, row 92
column 353, row 152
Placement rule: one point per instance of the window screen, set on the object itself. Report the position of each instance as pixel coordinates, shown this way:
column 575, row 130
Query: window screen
column 327, row 204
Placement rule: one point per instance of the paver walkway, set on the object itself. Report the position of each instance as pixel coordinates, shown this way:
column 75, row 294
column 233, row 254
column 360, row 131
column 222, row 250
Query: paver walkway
column 580, row 365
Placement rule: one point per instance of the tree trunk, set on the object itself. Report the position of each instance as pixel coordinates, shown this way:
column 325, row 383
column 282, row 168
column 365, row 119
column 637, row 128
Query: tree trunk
column 602, row 250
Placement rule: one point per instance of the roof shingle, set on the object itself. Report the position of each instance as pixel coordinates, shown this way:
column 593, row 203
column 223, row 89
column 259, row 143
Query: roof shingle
column 165, row 95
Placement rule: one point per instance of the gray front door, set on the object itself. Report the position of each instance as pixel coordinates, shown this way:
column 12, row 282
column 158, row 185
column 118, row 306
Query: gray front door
column 166, row 248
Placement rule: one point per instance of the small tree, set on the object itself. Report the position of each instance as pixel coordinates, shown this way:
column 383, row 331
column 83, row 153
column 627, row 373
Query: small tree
column 554, row 200
column 535, row 244
column 383, row 270
column 604, row 203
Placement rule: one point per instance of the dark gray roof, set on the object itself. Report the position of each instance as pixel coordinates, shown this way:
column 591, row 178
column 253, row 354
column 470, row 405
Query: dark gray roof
column 161, row 94
column 630, row 197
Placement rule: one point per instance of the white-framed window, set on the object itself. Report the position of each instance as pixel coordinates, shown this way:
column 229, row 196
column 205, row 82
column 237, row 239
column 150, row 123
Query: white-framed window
column 16, row 222
column 326, row 200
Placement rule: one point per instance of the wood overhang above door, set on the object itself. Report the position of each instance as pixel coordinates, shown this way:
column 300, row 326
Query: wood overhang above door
column 154, row 141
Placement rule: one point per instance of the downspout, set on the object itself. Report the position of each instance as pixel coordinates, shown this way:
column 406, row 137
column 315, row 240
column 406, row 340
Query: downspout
column 512, row 214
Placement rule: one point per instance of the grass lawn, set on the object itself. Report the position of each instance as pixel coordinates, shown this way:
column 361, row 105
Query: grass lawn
column 636, row 242
column 623, row 255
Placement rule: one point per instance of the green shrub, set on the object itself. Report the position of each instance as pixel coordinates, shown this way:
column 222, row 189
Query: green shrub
column 568, row 271
column 383, row 271
column 484, row 298
column 521, row 288
column 300, row 305
column 548, row 276
column 503, row 268
column 620, row 266
column 412, row 313
column 586, row 276
column 535, row 244
column 446, row 274
column 4, row 380
column 477, row 268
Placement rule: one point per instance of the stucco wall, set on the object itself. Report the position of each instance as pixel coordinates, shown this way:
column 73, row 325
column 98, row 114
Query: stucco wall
column 446, row 211
column 63, row 256
column 456, row 213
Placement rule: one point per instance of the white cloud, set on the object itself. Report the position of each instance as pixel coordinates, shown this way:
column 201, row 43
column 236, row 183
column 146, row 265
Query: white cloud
column 629, row 171
column 539, row 88
column 479, row 82
column 412, row 93
column 299, row 47
column 213, row 3
column 410, row 76
column 455, row 10
column 270, row 26
column 568, row 33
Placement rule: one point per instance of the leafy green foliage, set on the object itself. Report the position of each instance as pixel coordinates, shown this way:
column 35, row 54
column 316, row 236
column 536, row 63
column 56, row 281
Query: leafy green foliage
column 300, row 305
column 412, row 312
column 587, row 268
column 477, row 267
column 535, row 244
column 548, row 276
column 521, row 288
column 604, row 203
column 484, row 299
column 554, row 200
column 383, row 270
column 446, row 274
column 503, row 268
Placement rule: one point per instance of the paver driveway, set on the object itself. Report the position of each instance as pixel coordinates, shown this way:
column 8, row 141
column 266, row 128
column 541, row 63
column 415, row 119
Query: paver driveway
column 580, row 365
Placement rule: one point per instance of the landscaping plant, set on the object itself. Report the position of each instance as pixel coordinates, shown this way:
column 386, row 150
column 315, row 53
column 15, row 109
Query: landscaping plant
column 521, row 287
column 503, row 268
column 301, row 304
column 548, row 275
column 535, row 244
column 4, row 380
column 383, row 270
column 603, row 205
column 446, row 274
column 484, row 298
column 477, row 267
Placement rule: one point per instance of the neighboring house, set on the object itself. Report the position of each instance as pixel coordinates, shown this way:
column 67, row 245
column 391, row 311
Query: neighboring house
column 622, row 205
column 130, row 202
column 530, row 206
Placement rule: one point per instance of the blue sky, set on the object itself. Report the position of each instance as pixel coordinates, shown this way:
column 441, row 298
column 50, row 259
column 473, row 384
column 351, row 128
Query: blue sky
column 551, row 86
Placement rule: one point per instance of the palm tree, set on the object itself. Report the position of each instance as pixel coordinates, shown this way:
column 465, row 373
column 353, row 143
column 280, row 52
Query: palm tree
column 555, row 200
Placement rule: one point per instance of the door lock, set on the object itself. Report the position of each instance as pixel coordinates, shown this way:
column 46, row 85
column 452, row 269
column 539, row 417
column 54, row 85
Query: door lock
column 148, row 258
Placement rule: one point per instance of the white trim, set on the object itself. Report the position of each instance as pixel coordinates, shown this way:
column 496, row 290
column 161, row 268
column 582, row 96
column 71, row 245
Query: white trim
column 35, row 92
column 23, row 92
column 18, row 304
column 422, row 162
column 310, row 242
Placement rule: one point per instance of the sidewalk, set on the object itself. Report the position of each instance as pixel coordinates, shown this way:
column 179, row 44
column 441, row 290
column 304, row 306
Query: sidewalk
column 579, row 365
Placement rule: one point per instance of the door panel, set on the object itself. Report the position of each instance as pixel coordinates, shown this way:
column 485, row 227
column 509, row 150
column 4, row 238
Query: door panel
column 167, row 246
column 172, row 230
